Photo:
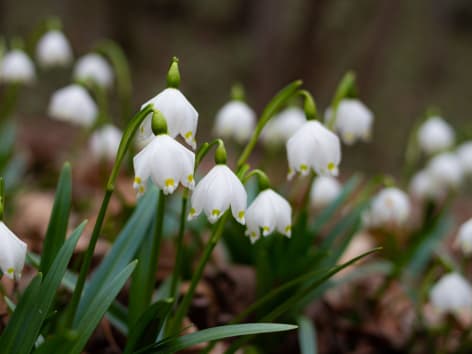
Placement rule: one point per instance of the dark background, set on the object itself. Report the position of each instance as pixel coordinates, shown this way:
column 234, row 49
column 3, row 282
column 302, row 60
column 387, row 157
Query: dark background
column 408, row 54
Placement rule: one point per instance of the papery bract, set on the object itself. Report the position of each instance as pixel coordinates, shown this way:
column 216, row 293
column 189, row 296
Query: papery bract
column 268, row 212
column 219, row 190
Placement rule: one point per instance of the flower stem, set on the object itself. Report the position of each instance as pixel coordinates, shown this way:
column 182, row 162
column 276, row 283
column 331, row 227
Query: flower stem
column 88, row 258
column 185, row 304
column 179, row 245
column 9, row 101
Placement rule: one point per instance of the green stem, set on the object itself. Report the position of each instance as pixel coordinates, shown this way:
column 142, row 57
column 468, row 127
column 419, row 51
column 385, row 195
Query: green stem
column 74, row 303
column 185, row 304
column 9, row 101
column 274, row 105
column 179, row 245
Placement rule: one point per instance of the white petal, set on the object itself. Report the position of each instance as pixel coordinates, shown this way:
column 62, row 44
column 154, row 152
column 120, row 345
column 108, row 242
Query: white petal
column 93, row 67
column 53, row 49
column 16, row 66
column 235, row 120
column 12, row 253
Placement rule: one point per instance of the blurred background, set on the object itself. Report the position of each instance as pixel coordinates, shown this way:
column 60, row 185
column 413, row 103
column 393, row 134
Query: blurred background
column 408, row 54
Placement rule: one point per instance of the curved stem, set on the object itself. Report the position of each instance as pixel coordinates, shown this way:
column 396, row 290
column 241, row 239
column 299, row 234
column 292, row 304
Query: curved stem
column 185, row 304
column 274, row 105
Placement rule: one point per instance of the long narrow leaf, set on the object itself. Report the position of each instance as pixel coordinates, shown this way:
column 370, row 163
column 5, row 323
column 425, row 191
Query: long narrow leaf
column 306, row 336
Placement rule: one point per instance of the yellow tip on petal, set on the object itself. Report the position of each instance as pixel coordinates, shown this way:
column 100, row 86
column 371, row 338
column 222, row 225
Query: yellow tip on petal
column 215, row 212
column 192, row 211
column 141, row 189
column 303, row 167
column 169, row 182
column 10, row 270
column 288, row 228
column 137, row 180
column 241, row 214
column 190, row 178
column 331, row 166
column 188, row 135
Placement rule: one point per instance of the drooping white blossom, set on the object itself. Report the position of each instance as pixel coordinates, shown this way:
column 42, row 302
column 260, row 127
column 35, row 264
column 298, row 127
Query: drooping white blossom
column 53, row 49
column 464, row 237
column 235, row 120
column 452, row 294
column 180, row 115
column 389, row 208
column 424, row 186
column 353, row 120
column 12, row 253
column 219, row 190
column 464, row 153
column 17, row 67
column 324, row 190
column 166, row 162
column 95, row 69
column 73, row 104
column 435, row 135
column 104, row 142
column 268, row 212
column 446, row 170
column 314, row 147
column 281, row 127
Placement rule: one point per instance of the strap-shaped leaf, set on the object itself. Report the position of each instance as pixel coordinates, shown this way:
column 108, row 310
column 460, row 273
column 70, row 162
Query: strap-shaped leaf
column 306, row 335
column 57, row 228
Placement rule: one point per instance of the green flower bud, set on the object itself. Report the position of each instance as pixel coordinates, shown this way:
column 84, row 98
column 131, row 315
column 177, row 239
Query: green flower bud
column 173, row 75
column 159, row 123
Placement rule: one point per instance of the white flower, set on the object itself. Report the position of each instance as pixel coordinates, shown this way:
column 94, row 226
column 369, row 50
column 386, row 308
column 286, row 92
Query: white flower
column 17, row 67
column 73, row 104
column 216, row 192
column 281, row 127
column 464, row 152
column 446, row 170
column 104, row 142
column 235, row 120
column 269, row 212
column 313, row 146
column 464, row 237
column 166, row 162
column 53, row 49
column 94, row 68
column 424, row 186
column 12, row 253
column 452, row 293
column 390, row 207
column 180, row 115
column 353, row 120
column 324, row 190
column 435, row 135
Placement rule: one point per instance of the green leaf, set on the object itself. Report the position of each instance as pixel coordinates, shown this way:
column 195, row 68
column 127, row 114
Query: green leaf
column 148, row 326
column 306, row 336
column 57, row 228
column 97, row 308
column 12, row 334
column 123, row 251
column 172, row 345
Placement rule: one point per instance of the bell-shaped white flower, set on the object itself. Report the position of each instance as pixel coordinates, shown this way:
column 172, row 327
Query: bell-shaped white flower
column 389, row 208
column 94, row 68
column 17, row 67
column 424, row 186
column 435, row 135
column 73, row 104
column 166, row 162
column 268, row 212
column 235, row 120
column 281, row 127
column 452, row 293
column 324, row 190
column 464, row 153
column 353, row 120
column 12, row 253
column 216, row 192
column 180, row 115
column 315, row 147
column 446, row 170
column 464, row 237
column 104, row 142
column 53, row 49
